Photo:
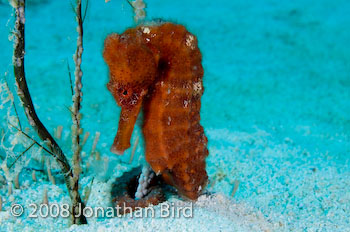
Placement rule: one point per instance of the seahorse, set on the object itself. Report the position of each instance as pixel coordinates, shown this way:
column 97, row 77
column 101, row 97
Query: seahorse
column 158, row 68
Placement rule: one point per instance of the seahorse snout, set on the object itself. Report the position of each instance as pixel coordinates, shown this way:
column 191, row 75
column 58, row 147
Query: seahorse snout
column 127, row 119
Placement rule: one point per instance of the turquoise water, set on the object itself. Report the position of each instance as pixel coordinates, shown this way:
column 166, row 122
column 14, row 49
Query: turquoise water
column 276, row 106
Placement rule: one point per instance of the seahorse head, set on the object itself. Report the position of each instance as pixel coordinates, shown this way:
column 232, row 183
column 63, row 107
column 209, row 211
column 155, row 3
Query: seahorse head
column 132, row 69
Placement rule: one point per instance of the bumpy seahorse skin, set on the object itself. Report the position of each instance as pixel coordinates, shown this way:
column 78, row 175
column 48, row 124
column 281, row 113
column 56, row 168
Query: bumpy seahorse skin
column 159, row 67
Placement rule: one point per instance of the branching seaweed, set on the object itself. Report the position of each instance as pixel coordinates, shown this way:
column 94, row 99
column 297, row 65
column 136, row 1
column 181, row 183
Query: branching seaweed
column 139, row 10
column 77, row 98
column 34, row 121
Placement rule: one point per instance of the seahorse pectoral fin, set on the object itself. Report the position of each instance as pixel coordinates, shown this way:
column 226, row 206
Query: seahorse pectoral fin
column 127, row 121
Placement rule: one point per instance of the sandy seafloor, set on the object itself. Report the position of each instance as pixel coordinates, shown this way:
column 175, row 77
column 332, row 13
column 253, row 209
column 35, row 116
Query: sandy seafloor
column 276, row 110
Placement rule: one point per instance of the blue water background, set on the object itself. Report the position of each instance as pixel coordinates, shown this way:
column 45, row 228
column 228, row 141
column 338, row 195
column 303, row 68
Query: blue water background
column 276, row 104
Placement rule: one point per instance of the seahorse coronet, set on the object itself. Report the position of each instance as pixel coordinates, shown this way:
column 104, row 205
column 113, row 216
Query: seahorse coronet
column 161, row 65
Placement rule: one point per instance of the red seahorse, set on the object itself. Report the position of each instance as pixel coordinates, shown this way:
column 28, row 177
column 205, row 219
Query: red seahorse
column 159, row 68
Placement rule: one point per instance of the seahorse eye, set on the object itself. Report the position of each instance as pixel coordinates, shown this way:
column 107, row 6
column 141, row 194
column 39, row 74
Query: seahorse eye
column 123, row 92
